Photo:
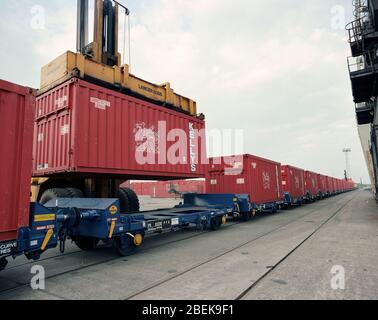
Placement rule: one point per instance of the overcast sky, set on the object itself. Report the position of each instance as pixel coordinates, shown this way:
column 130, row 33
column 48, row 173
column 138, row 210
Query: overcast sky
column 275, row 68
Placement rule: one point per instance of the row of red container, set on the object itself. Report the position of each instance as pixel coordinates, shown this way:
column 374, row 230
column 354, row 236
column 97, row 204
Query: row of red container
column 166, row 189
column 264, row 180
column 299, row 182
column 267, row 181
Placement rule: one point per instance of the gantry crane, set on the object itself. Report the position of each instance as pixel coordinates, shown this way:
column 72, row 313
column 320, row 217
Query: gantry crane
column 100, row 62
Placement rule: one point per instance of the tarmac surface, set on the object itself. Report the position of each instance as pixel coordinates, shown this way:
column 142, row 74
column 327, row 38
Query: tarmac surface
column 325, row 250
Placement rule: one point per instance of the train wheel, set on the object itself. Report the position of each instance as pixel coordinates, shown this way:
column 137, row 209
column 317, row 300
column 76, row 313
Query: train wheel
column 246, row 216
column 124, row 201
column 216, row 223
column 54, row 193
column 3, row 263
column 127, row 245
column 85, row 243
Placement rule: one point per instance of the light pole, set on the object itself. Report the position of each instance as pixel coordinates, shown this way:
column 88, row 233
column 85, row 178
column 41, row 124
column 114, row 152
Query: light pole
column 347, row 151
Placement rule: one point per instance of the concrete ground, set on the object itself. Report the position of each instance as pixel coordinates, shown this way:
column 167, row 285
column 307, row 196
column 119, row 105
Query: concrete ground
column 289, row 255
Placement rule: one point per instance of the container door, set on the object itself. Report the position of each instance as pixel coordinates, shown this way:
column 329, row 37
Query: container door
column 16, row 135
column 52, row 137
column 278, row 182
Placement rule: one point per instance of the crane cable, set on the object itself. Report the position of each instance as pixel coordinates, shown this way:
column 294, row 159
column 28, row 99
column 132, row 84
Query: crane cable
column 127, row 25
column 124, row 39
column 129, row 36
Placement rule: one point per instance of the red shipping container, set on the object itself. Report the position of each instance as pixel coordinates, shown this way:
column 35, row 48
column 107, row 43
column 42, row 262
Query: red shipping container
column 162, row 189
column 137, row 188
column 258, row 177
column 322, row 184
column 141, row 188
column 87, row 129
column 311, row 183
column 193, row 186
column 334, row 180
column 16, row 139
column 293, row 181
column 330, row 186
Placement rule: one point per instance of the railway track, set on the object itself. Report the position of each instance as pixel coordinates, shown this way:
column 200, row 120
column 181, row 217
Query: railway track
column 21, row 285
column 104, row 261
column 241, row 246
column 244, row 293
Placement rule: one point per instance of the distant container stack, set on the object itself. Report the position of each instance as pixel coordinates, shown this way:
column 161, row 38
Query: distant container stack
column 166, row 189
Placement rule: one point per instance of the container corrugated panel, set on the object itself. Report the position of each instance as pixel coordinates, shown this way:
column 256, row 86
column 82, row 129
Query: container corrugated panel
column 330, row 186
column 146, row 188
column 16, row 139
column 339, row 184
column 161, row 190
column 335, row 186
column 322, row 183
column 247, row 174
column 351, row 185
column 140, row 188
column 311, row 183
column 293, row 181
column 86, row 129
